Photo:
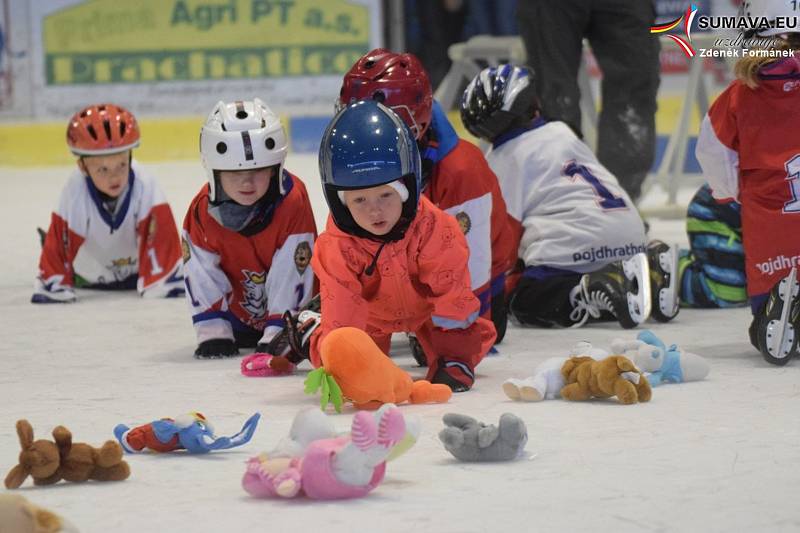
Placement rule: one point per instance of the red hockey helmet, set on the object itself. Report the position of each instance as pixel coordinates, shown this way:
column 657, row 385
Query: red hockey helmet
column 102, row 129
column 398, row 81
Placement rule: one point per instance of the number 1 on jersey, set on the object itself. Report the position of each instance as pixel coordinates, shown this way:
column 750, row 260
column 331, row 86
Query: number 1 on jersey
column 793, row 177
column 155, row 268
column 605, row 198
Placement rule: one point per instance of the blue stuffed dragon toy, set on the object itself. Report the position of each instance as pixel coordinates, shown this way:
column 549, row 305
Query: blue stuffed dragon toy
column 191, row 432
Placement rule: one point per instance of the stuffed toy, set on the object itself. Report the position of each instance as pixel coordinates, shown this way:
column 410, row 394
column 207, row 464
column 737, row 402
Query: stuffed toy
column 547, row 380
column 191, row 432
column 615, row 375
column 18, row 515
column 356, row 370
column 276, row 473
column 659, row 362
column 49, row 462
column 260, row 365
column 470, row 440
column 331, row 467
column 545, row 383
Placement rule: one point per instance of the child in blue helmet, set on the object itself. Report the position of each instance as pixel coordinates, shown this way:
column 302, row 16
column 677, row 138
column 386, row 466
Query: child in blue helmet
column 390, row 261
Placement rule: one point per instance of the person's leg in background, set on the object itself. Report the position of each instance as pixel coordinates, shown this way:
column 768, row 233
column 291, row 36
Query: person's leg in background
column 552, row 31
column 505, row 22
column 619, row 34
column 441, row 24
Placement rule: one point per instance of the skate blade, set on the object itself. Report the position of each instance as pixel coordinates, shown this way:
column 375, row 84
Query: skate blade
column 639, row 304
column 669, row 297
column 780, row 333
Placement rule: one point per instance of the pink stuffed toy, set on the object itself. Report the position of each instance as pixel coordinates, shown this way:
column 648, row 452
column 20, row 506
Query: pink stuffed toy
column 331, row 467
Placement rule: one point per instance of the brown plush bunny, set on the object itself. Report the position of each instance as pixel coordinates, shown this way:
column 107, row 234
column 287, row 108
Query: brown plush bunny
column 40, row 459
column 49, row 462
column 613, row 376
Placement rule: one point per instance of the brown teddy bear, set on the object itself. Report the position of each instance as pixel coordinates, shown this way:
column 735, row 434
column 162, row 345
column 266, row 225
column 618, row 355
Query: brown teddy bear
column 613, row 376
column 49, row 462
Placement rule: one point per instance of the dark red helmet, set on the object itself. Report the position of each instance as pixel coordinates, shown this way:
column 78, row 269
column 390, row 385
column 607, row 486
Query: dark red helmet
column 102, row 129
column 398, row 81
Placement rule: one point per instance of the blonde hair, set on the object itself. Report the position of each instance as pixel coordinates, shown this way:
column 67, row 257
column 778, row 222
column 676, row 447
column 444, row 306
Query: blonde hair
column 748, row 67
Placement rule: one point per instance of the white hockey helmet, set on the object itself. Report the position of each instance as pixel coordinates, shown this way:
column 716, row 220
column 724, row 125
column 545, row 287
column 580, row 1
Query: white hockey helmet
column 771, row 10
column 242, row 135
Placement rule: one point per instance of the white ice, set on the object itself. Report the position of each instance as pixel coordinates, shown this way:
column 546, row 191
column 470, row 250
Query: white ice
column 718, row 455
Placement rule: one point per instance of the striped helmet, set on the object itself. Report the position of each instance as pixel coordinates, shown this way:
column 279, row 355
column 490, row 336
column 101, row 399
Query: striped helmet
column 497, row 99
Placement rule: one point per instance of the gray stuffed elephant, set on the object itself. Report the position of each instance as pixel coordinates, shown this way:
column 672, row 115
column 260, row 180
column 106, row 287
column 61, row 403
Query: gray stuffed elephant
column 470, row 440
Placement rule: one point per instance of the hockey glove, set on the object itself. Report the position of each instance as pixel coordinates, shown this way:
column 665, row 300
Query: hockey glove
column 215, row 349
column 293, row 341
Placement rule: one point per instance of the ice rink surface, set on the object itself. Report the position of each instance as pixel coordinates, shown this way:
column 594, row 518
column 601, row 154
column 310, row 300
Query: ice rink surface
column 718, row 455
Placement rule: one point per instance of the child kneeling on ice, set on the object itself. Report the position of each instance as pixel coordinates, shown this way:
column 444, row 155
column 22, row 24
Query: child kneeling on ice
column 389, row 260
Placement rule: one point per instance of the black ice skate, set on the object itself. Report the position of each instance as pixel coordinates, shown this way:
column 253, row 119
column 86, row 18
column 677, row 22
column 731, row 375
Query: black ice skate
column 292, row 341
column 621, row 288
column 663, row 262
column 776, row 333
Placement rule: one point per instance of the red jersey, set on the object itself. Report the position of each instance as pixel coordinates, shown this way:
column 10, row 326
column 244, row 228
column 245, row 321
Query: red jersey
column 750, row 151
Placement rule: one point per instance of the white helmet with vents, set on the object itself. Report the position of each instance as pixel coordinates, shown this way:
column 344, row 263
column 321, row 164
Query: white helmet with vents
column 242, row 135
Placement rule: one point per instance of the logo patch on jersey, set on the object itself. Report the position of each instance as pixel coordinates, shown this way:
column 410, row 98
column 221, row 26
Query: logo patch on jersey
column 186, row 251
column 123, row 268
column 791, row 86
column 302, row 257
column 255, row 295
column 464, row 222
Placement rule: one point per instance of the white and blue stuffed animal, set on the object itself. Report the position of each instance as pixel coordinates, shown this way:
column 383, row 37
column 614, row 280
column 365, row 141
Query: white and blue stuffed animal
column 547, row 381
column 659, row 362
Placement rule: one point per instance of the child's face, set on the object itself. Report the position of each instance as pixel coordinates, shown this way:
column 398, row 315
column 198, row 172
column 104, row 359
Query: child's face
column 246, row 187
column 109, row 173
column 376, row 210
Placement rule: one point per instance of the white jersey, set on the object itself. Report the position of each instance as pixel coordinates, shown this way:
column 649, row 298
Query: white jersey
column 573, row 213
column 136, row 246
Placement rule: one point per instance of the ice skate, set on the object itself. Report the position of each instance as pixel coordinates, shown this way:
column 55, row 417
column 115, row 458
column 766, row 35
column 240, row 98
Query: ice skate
column 664, row 279
column 621, row 288
column 776, row 335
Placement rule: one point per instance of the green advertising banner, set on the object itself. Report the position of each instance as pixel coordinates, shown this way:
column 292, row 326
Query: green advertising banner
column 108, row 41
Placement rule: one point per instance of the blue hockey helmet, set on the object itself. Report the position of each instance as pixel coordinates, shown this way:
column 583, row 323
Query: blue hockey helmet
column 367, row 145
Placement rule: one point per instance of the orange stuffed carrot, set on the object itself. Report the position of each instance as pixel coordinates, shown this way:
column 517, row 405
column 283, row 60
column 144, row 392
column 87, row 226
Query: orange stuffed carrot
column 355, row 369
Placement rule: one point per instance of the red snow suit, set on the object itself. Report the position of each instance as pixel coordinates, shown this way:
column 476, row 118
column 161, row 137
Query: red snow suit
column 420, row 284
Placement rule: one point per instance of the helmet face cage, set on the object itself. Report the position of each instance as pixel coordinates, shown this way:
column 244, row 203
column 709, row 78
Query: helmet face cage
column 102, row 129
column 242, row 135
column 367, row 145
column 397, row 81
column 496, row 99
